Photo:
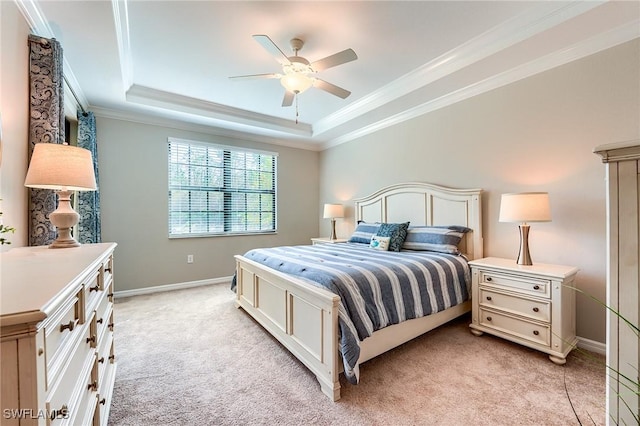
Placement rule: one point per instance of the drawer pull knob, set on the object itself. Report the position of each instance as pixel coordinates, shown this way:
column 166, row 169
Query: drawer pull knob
column 488, row 297
column 107, row 269
column 110, row 296
column 536, row 310
column 93, row 386
column 536, row 332
column 91, row 339
column 536, row 287
column 110, row 326
column 489, row 279
column 69, row 326
column 94, row 288
column 112, row 358
column 62, row 413
column 99, row 321
column 488, row 318
column 103, row 401
column 101, row 360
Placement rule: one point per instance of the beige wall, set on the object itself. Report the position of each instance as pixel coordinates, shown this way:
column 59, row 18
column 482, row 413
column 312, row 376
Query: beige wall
column 133, row 183
column 14, row 109
column 534, row 135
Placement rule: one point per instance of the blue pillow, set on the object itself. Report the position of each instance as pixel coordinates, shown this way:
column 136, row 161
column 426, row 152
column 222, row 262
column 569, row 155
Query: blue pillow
column 363, row 232
column 396, row 231
column 442, row 239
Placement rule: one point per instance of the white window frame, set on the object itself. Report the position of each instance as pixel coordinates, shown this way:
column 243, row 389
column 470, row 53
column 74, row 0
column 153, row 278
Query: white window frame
column 227, row 211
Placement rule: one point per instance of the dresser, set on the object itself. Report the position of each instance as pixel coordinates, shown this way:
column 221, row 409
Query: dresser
column 530, row 305
column 56, row 319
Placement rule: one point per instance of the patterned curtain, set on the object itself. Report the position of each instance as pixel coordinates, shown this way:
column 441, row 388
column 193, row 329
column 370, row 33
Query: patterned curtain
column 46, row 125
column 89, row 201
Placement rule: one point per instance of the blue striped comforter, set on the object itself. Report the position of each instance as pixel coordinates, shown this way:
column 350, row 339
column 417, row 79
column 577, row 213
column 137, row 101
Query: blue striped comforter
column 376, row 288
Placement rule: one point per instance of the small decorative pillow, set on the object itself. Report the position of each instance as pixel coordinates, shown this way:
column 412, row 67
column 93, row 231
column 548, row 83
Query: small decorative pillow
column 442, row 239
column 380, row 243
column 397, row 232
column 364, row 232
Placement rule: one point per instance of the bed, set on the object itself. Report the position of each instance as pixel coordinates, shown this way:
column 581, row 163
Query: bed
column 307, row 318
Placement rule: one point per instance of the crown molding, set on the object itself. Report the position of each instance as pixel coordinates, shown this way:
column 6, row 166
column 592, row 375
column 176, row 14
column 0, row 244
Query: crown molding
column 154, row 119
column 121, row 21
column 158, row 98
column 577, row 51
column 519, row 28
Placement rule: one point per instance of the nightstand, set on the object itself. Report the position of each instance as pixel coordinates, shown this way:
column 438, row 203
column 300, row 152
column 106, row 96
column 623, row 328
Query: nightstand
column 327, row 240
column 530, row 305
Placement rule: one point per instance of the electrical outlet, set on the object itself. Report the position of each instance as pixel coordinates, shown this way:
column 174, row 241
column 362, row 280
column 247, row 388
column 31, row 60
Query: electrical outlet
column 189, row 258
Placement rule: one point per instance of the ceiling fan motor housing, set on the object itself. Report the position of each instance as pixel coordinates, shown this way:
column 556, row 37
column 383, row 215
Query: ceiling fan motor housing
column 296, row 44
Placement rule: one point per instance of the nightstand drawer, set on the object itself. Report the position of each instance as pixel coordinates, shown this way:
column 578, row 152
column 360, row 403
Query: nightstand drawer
column 536, row 333
column 525, row 285
column 534, row 309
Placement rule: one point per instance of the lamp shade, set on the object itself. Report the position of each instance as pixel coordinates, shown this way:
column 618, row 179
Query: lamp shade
column 332, row 211
column 61, row 167
column 525, row 207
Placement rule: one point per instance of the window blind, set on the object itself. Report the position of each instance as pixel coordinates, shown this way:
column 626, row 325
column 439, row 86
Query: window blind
column 220, row 190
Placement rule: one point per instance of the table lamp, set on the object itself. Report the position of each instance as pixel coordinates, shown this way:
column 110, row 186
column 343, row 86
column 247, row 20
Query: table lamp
column 332, row 211
column 525, row 207
column 63, row 168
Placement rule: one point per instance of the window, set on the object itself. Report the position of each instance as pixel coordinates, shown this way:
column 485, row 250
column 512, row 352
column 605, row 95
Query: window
column 220, row 190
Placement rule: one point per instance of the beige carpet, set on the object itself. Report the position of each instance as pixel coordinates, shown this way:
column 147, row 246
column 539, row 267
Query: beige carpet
column 189, row 357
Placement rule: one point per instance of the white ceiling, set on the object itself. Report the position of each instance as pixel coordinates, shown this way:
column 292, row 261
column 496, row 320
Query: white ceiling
column 169, row 61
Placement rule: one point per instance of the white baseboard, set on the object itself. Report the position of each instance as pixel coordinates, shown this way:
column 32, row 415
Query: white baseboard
column 592, row 345
column 169, row 287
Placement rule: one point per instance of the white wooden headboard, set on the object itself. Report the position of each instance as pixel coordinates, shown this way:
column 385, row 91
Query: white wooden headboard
column 427, row 204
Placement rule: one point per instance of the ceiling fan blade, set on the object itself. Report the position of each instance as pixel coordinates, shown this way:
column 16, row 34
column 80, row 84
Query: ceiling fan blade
column 272, row 48
column 331, row 88
column 288, row 98
column 255, row 76
column 334, row 60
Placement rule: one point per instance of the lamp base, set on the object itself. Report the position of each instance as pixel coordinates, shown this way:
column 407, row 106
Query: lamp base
column 64, row 218
column 524, row 257
column 333, row 230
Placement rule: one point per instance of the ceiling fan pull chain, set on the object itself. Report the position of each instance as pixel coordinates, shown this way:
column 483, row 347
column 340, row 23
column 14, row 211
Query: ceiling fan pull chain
column 296, row 108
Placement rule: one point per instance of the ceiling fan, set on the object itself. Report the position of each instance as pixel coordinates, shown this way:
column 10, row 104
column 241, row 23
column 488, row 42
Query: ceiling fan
column 298, row 74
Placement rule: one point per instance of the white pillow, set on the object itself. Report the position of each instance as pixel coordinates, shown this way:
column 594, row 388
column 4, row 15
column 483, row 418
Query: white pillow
column 380, row 243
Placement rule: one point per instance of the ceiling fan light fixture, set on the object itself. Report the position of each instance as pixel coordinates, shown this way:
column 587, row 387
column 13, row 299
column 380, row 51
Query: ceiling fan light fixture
column 296, row 82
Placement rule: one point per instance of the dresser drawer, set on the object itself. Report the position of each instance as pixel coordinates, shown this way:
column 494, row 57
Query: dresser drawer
column 107, row 271
column 69, row 391
column 516, row 283
column 103, row 313
column 103, row 404
column 536, row 333
column 102, row 357
column 61, row 333
column 532, row 308
column 93, row 291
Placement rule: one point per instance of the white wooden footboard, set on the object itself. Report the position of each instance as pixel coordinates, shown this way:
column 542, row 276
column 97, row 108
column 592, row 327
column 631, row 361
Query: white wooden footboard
column 304, row 318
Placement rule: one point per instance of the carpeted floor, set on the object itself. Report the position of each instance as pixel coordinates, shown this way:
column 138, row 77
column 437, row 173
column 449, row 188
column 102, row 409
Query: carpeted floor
column 189, row 357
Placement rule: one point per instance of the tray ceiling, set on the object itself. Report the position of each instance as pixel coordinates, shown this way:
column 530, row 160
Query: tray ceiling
column 170, row 61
